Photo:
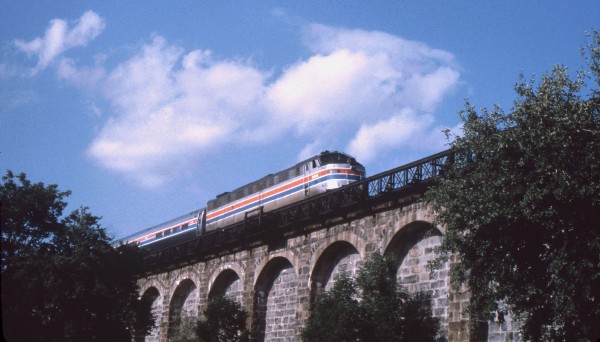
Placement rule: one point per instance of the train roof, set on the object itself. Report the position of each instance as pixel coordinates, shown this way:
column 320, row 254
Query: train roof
column 166, row 224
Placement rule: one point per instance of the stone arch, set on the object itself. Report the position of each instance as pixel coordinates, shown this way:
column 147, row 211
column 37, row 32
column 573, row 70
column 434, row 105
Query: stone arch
column 228, row 283
column 393, row 222
column 286, row 254
column 275, row 301
column 347, row 236
column 337, row 258
column 151, row 298
column 411, row 248
column 184, row 303
column 149, row 283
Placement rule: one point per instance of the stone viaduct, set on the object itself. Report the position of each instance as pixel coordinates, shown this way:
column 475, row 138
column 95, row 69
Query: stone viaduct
column 276, row 279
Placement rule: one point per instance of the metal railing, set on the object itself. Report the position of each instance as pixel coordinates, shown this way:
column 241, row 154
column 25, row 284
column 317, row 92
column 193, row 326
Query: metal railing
column 414, row 176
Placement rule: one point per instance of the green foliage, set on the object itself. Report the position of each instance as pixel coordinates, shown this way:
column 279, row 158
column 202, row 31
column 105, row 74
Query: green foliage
column 372, row 308
column 336, row 315
column 185, row 331
column 30, row 215
column 61, row 278
column 521, row 206
column 382, row 300
column 225, row 321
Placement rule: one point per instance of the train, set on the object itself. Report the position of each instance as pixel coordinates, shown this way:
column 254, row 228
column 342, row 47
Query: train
column 320, row 173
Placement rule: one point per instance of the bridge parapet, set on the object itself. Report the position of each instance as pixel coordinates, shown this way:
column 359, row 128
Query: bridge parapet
column 360, row 198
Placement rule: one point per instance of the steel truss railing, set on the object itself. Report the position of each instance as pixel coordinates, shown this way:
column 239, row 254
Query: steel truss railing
column 264, row 226
column 380, row 185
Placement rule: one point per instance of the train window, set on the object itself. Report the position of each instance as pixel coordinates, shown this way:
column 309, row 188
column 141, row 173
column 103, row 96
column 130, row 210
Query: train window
column 176, row 229
column 314, row 163
column 159, row 235
column 184, row 227
column 167, row 232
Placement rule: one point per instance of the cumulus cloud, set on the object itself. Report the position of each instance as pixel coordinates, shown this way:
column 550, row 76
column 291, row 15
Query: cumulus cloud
column 335, row 88
column 58, row 38
column 170, row 105
column 361, row 80
column 369, row 91
column 395, row 132
column 408, row 73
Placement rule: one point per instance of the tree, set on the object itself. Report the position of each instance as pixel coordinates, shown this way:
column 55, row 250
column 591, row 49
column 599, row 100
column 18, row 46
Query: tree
column 185, row 331
column 61, row 278
column 30, row 215
column 521, row 206
column 336, row 314
column 374, row 307
column 225, row 321
column 382, row 300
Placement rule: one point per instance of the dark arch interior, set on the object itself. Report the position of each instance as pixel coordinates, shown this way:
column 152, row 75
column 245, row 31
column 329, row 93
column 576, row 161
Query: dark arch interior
column 264, row 286
column 326, row 264
column 183, row 291
column 147, row 301
column 223, row 281
column 406, row 238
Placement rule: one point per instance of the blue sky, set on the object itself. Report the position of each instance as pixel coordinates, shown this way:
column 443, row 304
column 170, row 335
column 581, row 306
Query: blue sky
column 148, row 109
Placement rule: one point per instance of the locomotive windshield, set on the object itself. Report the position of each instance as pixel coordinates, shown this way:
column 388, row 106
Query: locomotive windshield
column 336, row 158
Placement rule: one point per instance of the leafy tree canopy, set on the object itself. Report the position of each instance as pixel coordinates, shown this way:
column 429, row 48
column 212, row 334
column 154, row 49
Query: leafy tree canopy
column 61, row 278
column 224, row 321
column 374, row 307
column 184, row 331
column 336, row 314
column 521, row 205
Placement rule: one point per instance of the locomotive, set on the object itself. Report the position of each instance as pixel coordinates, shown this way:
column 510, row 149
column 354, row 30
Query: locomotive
column 321, row 173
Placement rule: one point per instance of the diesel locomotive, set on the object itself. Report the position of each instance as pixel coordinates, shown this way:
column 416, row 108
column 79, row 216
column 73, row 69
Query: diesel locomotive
column 315, row 175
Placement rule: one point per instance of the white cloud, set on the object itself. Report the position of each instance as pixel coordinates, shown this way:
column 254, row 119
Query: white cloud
column 358, row 81
column 414, row 56
column 398, row 131
column 170, row 106
column 336, row 88
column 369, row 91
column 58, row 38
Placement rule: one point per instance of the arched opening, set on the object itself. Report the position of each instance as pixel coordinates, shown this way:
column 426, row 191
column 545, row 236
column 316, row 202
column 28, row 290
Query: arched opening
column 411, row 249
column 151, row 300
column 183, row 307
column 275, row 300
column 229, row 284
column 339, row 258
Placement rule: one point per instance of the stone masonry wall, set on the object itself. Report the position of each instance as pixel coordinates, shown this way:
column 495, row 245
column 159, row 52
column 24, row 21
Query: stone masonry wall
column 276, row 286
